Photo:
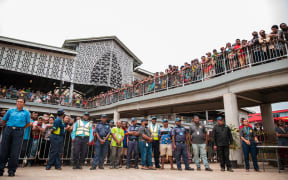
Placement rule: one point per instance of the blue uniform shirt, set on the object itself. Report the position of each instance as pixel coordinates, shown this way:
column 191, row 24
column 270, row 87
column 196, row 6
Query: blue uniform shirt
column 58, row 127
column 131, row 129
column 73, row 134
column 27, row 132
column 15, row 118
column 103, row 130
column 180, row 133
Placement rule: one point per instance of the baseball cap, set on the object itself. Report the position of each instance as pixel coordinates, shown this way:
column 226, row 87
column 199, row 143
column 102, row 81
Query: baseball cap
column 133, row 119
column 164, row 120
column 219, row 118
column 86, row 114
column 153, row 117
column 144, row 119
column 177, row 119
column 103, row 116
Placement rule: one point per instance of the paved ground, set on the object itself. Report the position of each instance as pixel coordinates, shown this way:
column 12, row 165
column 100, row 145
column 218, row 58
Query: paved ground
column 67, row 173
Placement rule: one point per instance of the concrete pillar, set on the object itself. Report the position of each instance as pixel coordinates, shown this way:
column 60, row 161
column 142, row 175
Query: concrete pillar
column 71, row 92
column 116, row 116
column 268, row 123
column 232, row 120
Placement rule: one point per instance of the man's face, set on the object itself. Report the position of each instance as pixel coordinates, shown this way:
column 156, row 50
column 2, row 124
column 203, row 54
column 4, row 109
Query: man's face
column 119, row 124
column 85, row 117
column 51, row 120
column 254, row 34
column 178, row 123
column 104, row 119
column 40, row 121
column 153, row 121
column 34, row 116
column 20, row 103
column 66, row 119
column 220, row 122
column 165, row 124
column 245, row 122
column 133, row 123
column 274, row 30
column 123, row 124
column 283, row 26
column 238, row 42
column 196, row 120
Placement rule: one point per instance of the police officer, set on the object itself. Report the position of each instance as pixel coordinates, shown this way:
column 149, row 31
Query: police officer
column 111, row 124
column 179, row 139
column 154, row 129
column 15, row 120
column 222, row 140
column 133, row 144
column 102, row 131
column 56, row 141
column 82, row 135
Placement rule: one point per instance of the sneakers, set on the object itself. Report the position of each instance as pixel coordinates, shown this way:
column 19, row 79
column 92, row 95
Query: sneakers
column 48, row 168
column 198, row 169
column 101, row 167
column 11, row 174
column 59, row 168
column 189, row 169
column 93, row 168
column 230, row 170
column 208, row 169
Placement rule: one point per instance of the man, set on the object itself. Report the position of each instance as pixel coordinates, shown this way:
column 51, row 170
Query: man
column 56, row 141
column 67, row 140
column 124, row 127
column 283, row 34
column 145, row 144
column 222, row 140
column 111, row 124
column 116, row 145
column 15, row 120
column 82, row 135
column 102, row 131
column 178, row 140
column 198, row 136
column 154, row 129
column 165, row 144
column 282, row 135
column 133, row 144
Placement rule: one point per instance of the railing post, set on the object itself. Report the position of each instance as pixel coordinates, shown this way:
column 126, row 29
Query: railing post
column 167, row 83
column 202, row 72
column 183, row 78
column 248, row 57
column 224, row 63
column 154, row 85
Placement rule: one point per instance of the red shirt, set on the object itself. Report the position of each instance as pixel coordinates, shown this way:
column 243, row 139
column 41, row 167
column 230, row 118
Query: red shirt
column 243, row 126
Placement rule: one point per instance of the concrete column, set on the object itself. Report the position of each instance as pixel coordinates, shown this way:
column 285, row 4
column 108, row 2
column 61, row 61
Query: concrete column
column 268, row 123
column 116, row 116
column 71, row 92
column 232, row 120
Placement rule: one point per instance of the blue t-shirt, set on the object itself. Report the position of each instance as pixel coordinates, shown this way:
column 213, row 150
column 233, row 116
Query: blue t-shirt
column 165, row 134
column 58, row 127
column 125, row 144
column 15, row 118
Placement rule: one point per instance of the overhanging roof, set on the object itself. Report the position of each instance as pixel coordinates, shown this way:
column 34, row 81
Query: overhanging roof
column 38, row 46
column 74, row 42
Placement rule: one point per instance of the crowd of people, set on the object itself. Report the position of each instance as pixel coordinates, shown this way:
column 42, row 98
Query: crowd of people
column 263, row 47
column 123, row 139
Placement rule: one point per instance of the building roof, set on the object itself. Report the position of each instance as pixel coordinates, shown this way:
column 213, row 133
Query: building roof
column 74, row 42
column 143, row 71
column 34, row 45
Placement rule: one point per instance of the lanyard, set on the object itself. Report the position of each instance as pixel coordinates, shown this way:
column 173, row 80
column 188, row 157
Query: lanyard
column 247, row 132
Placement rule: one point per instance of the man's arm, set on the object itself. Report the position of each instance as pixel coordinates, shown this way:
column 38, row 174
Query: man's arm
column 6, row 117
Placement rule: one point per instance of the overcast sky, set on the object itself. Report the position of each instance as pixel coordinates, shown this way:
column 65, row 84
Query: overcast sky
column 158, row 32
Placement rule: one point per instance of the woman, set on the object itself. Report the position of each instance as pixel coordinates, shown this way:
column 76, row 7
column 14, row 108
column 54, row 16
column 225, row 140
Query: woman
column 249, row 140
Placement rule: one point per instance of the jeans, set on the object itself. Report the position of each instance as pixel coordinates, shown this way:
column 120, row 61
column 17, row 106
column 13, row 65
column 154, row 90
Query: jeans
column 34, row 148
column 10, row 148
column 146, row 154
column 250, row 149
column 100, row 151
column 115, row 155
column 202, row 149
column 55, row 151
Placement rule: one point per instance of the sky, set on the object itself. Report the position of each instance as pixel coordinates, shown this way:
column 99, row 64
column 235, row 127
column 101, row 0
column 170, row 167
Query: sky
column 158, row 32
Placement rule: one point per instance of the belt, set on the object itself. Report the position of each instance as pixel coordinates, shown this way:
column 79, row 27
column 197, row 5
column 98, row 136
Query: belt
column 82, row 137
column 16, row 128
column 182, row 142
column 133, row 140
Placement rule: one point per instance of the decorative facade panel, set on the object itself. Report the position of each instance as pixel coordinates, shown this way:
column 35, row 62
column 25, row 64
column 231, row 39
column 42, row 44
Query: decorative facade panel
column 38, row 63
column 103, row 63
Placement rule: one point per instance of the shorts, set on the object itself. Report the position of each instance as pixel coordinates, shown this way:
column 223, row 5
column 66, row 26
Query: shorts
column 124, row 152
column 165, row 149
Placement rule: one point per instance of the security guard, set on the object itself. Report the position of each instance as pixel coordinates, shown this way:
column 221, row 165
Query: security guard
column 102, row 131
column 222, row 140
column 15, row 120
column 133, row 144
column 56, row 141
column 154, row 129
column 82, row 135
column 179, row 139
